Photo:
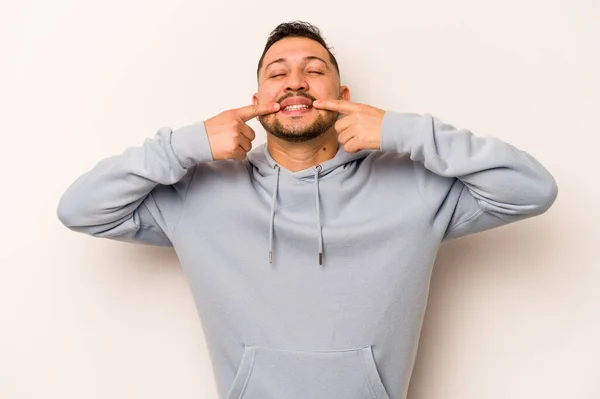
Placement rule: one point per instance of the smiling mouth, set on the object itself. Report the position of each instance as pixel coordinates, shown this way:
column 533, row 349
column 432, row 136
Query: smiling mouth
column 296, row 110
column 296, row 107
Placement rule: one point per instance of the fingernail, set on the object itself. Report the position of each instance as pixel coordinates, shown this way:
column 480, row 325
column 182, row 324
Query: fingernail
column 316, row 102
column 276, row 105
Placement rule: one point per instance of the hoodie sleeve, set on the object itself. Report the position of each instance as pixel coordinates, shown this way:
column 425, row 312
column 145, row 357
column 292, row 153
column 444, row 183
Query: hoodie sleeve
column 469, row 183
column 137, row 196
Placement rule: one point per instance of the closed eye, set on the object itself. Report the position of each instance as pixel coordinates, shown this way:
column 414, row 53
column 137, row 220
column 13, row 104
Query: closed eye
column 282, row 74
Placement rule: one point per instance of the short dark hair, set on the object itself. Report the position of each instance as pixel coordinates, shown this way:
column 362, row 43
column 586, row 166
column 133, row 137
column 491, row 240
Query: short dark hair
column 296, row 29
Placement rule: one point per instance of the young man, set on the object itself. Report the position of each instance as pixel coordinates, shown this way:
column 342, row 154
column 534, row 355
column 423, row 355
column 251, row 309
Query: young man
column 309, row 257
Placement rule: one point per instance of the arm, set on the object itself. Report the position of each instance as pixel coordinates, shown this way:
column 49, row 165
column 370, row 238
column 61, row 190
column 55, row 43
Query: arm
column 137, row 196
column 470, row 183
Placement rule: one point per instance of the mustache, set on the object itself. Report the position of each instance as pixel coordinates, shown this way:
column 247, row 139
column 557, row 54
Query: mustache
column 298, row 94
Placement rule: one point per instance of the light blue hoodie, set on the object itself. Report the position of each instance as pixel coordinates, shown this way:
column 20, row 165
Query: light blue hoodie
column 338, row 311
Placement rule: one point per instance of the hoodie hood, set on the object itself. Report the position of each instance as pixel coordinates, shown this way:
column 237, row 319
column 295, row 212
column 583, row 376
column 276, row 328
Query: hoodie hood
column 263, row 163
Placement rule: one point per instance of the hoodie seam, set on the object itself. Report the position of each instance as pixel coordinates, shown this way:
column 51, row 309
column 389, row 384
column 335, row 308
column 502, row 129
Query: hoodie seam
column 184, row 201
column 463, row 222
column 366, row 376
column 424, row 201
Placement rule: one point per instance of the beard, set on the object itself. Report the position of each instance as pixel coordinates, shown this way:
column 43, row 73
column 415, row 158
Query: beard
column 297, row 131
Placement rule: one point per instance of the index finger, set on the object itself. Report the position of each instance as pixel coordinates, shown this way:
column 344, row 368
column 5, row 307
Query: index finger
column 250, row 111
column 343, row 106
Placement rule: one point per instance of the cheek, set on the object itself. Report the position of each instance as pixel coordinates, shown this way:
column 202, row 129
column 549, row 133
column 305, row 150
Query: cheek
column 267, row 93
column 325, row 90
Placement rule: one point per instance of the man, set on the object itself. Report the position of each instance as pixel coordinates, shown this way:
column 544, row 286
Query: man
column 351, row 211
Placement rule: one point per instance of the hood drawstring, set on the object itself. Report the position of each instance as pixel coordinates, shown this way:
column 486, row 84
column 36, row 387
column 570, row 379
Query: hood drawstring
column 320, row 232
column 273, row 215
column 318, row 168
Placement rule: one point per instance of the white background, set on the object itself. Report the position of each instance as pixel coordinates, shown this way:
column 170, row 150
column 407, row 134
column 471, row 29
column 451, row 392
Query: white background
column 513, row 312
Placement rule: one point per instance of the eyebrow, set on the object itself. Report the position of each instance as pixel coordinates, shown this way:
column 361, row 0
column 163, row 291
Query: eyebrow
column 309, row 58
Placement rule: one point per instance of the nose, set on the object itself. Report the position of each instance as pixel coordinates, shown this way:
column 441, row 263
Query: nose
column 296, row 82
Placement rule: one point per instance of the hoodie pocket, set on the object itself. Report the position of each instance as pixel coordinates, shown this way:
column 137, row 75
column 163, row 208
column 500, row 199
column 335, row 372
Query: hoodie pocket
column 267, row 373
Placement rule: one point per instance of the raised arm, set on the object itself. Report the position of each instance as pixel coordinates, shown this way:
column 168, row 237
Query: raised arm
column 471, row 183
column 137, row 196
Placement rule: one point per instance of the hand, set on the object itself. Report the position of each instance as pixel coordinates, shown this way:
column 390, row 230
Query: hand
column 229, row 135
column 360, row 129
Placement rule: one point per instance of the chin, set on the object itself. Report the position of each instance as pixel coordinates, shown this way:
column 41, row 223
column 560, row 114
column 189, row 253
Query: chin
column 299, row 128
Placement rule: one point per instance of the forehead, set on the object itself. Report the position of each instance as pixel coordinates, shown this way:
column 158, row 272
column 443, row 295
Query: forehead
column 295, row 49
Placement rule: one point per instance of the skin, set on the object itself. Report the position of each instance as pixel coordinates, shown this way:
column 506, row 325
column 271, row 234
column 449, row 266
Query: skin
column 298, row 74
column 310, row 138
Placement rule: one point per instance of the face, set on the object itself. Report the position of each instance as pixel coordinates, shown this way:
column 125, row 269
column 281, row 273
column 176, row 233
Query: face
column 295, row 72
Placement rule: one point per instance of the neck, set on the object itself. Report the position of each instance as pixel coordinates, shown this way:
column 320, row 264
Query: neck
column 299, row 156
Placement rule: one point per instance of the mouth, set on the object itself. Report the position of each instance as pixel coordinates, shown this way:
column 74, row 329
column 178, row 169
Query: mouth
column 296, row 105
column 296, row 109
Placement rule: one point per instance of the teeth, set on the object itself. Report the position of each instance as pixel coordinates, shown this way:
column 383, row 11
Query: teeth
column 295, row 107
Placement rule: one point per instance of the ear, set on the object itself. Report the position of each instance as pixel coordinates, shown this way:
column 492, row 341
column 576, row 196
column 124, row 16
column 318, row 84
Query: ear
column 344, row 93
column 255, row 99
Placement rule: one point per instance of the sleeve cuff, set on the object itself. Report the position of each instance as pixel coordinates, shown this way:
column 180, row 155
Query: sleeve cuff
column 399, row 129
column 191, row 145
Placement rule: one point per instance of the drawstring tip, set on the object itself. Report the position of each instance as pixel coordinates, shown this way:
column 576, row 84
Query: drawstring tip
column 320, row 258
column 270, row 256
